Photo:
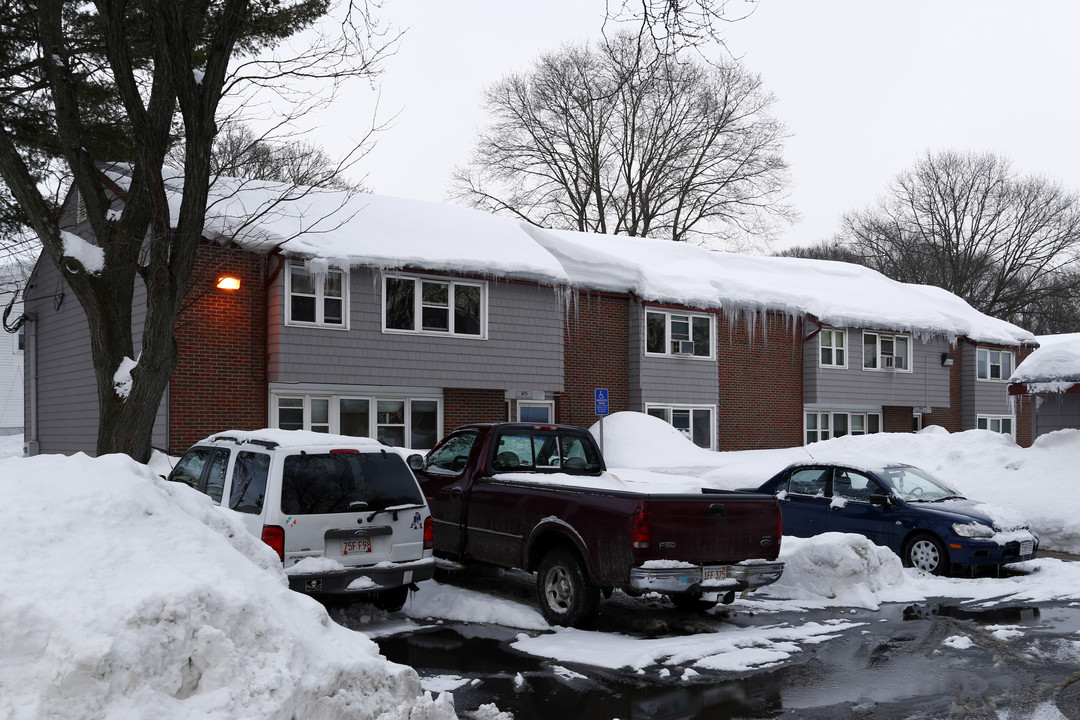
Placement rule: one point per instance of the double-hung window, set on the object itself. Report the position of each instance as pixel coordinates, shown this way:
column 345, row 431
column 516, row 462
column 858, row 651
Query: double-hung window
column 671, row 333
column 434, row 306
column 317, row 298
column 833, row 347
column 696, row 423
column 993, row 365
column 886, row 352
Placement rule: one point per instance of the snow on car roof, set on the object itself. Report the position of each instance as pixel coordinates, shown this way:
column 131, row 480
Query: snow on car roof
column 294, row 438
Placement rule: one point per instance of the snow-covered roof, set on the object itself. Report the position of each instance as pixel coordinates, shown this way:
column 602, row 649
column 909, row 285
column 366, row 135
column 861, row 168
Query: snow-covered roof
column 332, row 228
column 1053, row 367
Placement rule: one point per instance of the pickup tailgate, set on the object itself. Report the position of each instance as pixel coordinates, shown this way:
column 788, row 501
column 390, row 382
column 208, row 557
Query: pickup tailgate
column 719, row 527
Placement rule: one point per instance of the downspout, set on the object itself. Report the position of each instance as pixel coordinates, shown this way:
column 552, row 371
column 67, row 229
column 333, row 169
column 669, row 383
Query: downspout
column 30, row 367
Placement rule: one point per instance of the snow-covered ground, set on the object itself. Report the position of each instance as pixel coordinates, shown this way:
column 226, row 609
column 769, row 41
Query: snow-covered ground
column 126, row 596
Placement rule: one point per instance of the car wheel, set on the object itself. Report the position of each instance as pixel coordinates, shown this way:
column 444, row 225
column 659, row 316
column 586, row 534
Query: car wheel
column 689, row 603
column 563, row 589
column 391, row 600
column 926, row 552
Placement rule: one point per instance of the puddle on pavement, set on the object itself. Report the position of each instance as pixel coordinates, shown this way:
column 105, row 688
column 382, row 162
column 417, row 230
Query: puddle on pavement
column 541, row 693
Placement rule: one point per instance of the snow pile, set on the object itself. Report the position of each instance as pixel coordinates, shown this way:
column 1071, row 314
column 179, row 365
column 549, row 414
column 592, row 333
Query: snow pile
column 127, row 596
column 1037, row 483
column 845, row 569
column 1054, row 367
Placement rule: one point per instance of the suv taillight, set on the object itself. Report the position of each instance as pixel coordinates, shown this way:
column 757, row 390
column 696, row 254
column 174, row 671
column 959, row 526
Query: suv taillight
column 429, row 533
column 274, row 536
column 639, row 538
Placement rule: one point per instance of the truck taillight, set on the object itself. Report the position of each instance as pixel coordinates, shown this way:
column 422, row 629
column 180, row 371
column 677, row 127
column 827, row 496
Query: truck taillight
column 429, row 533
column 274, row 536
column 639, row 538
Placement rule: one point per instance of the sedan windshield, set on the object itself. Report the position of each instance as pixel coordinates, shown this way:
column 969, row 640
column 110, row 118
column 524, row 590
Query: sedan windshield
column 913, row 484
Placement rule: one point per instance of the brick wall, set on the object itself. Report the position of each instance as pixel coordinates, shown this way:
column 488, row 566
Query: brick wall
column 1025, row 407
column 760, row 366
column 897, row 418
column 596, row 350
column 952, row 417
column 220, row 382
column 462, row 406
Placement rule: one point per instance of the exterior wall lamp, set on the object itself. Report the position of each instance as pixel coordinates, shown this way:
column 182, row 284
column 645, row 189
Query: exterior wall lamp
column 228, row 282
column 947, row 359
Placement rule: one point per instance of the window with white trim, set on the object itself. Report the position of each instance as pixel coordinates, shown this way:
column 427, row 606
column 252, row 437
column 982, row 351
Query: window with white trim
column 886, row 352
column 825, row 424
column 993, row 365
column 536, row 412
column 398, row 421
column 995, row 423
column 833, row 342
column 671, row 333
column 20, row 339
column 434, row 306
column 320, row 299
column 696, row 423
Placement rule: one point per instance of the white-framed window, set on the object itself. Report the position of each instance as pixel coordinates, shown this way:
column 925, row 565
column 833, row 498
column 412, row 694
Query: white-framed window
column 993, row 365
column 995, row 423
column 411, row 422
column 434, row 306
column 319, row 299
column 833, row 342
column 825, row 424
column 675, row 333
column 886, row 352
column 694, row 421
column 531, row 411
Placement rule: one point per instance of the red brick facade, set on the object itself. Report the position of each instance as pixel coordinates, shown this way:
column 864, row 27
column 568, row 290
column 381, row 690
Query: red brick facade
column 220, row 382
column 760, row 367
column 952, row 417
column 897, row 418
column 463, row 406
column 1025, row 407
column 595, row 355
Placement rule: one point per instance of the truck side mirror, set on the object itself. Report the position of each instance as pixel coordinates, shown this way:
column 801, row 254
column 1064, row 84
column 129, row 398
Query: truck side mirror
column 416, row 461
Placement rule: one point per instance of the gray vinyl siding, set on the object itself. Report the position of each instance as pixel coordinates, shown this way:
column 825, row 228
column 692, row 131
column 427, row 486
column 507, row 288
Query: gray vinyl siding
column 982, row 397
column 1056, row 412
column 523, row 348
column 668, row 380
column 67, row 403
column 927, row 385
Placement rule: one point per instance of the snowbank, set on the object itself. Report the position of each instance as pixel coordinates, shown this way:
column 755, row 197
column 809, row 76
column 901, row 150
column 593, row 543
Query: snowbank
column 126, row 596
column 1036, row 482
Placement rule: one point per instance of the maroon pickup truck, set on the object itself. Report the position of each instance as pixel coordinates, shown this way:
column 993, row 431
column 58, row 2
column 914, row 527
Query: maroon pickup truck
column 539, row 498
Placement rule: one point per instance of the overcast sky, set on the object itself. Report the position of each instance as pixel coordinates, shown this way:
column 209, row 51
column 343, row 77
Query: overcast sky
column 863, row 87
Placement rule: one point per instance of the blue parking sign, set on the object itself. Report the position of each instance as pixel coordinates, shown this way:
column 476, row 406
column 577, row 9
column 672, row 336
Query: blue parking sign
column 601, row 401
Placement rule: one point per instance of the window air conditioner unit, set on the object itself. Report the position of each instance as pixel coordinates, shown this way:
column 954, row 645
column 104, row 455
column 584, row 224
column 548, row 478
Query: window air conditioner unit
column 686, row 347
column 888, row 362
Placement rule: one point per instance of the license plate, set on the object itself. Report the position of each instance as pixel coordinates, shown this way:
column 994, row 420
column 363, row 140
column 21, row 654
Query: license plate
column 714, row 573
column 1027, row 547
column 355, row 547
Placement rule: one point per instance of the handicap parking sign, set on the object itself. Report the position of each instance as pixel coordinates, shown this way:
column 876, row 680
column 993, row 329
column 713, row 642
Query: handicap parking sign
column 601, row 401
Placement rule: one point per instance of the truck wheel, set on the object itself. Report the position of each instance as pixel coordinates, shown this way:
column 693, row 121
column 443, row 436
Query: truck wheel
column 925, row 552
column 391, row 600
column 562, row 586
column 689, row 603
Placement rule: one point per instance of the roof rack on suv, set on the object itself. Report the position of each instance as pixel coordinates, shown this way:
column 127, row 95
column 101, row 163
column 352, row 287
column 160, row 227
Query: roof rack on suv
column 268, row 444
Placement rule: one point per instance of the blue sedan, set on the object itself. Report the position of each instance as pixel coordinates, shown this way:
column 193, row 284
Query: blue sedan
column 928, row 524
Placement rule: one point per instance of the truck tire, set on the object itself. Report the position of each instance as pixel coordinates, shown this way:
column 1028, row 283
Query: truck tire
column 563, row 590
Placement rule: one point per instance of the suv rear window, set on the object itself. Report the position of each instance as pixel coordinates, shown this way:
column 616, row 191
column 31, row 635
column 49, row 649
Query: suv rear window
column 346, row 482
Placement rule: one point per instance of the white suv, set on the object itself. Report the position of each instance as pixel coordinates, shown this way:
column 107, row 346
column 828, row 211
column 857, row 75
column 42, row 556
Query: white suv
column 345, row 514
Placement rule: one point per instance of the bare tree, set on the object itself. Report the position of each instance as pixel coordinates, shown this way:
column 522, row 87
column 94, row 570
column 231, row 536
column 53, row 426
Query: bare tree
column 970, row 224
column 670, row 26
column 82, row 83
column 599, row 140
